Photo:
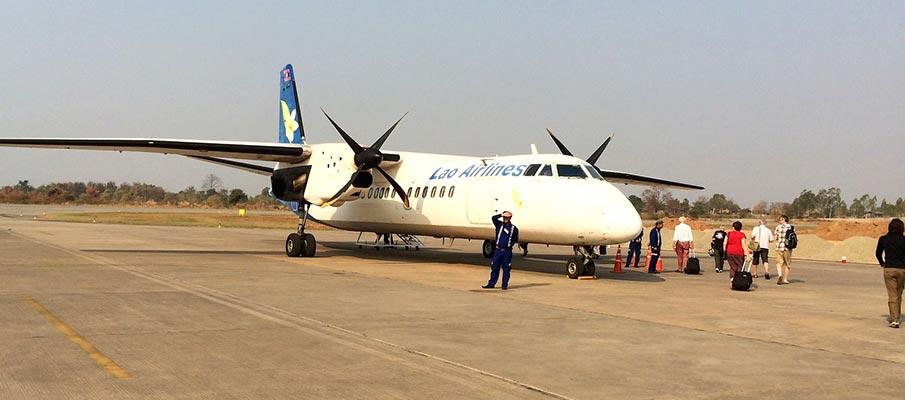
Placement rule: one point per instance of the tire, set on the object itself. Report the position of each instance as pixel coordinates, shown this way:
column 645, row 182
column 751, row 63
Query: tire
column 294, row 245
column 590, row 269
column 487, row 249
column 310, row 246
column 574, row 268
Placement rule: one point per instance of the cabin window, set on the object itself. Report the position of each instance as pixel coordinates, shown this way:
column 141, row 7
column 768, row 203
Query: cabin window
column 424, row 192
column 593, row 171
column 386, row 193
column 547, row 170
column 433, row 191
column 392, row 194
column 417, row 192
column 370, row 191
column 451, row 190
column 409, row 193
column 442, row 190
column 531, row 170
column 570, row 171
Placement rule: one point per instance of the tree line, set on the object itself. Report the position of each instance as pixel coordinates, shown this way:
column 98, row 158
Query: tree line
column 825, row 203
column 211, row 194
column 653, row 203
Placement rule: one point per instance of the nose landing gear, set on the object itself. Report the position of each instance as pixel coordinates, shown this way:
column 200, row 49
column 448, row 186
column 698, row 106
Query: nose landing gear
column 581, row 264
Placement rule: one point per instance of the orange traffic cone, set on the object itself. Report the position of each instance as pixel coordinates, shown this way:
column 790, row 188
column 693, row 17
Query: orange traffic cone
column 647, row 260
column 659, row 265
column 617, row 269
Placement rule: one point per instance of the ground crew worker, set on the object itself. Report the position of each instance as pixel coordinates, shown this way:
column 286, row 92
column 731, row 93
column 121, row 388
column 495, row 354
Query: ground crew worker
column 654, row 243
column 506, row 237
column 634, row 248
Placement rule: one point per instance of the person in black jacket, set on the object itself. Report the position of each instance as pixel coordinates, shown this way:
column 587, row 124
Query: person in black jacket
column 892, row 245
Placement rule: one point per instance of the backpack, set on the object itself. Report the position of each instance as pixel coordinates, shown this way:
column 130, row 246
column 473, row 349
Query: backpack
column 791, row 240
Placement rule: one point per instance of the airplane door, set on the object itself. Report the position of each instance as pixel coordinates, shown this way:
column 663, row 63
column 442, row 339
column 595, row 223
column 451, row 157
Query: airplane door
column 482, row 202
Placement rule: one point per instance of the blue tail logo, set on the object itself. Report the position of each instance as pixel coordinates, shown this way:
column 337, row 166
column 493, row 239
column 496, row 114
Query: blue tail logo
column 291, row 128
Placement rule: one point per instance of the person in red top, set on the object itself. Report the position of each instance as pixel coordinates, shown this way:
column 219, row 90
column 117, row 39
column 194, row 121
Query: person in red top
column 735, row 250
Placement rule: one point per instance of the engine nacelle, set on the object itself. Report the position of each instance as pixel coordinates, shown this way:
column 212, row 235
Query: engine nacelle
column 289, row 184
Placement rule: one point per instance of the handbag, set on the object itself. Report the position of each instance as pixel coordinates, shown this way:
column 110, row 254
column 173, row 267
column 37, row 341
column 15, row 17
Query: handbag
column 753, row 245
column 710, row 252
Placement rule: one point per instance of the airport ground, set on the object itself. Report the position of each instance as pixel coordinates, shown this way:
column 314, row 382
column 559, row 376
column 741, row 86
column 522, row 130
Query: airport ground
column 115, row 311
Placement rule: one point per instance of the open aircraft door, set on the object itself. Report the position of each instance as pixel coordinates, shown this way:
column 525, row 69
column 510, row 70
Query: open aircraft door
column 483, row 200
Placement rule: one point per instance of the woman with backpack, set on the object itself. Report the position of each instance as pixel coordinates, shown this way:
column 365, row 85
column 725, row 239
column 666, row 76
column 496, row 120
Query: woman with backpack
column 892, row 245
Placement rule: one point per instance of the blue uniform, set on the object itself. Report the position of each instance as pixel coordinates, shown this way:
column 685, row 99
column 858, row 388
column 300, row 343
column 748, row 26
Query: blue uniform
column 634, row 248
column 655, row 242
column 506, row 237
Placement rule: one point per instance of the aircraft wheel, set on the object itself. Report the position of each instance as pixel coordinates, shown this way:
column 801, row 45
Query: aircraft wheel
column 310, row 246
column 294, row 245
column 487, row 249
column 590, row 269
column 574, row 268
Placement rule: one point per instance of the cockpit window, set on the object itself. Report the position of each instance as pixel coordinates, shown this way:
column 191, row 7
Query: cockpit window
column 547, row 170
column 593, row 172
column 570, row 171
column 531, row 170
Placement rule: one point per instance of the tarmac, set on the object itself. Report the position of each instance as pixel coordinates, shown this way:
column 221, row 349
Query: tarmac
column 93, row 311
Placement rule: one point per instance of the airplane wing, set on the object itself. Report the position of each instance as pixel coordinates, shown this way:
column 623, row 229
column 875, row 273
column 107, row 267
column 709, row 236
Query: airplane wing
column 632, row 179
column 247, row 167
column 285, row 152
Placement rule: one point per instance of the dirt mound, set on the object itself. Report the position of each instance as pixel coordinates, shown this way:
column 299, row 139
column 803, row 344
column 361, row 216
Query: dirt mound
column 843, row 229
column 696, row 225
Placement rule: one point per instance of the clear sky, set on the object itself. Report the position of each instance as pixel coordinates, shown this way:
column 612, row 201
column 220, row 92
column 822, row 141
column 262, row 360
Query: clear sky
column 756, row 100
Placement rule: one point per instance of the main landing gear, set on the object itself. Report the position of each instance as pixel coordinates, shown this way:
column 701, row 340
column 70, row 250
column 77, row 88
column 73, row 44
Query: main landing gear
column 581, row 264
column 301, row 244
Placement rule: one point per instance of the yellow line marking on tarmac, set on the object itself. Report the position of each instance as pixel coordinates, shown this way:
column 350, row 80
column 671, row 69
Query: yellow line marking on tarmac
column 112, row 367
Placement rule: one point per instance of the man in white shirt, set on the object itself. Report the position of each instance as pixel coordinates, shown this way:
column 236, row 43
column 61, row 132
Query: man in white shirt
column 683, row 241
column 763, row 236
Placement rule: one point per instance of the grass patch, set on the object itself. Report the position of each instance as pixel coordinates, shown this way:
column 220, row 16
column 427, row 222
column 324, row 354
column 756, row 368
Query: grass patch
column 251, row 220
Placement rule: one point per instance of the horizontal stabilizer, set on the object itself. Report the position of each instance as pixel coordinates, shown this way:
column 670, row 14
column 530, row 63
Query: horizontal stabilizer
column 279, row 152
column 632, row 179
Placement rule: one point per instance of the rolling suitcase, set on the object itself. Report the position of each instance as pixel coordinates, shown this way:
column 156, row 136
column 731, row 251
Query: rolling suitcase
column 693, row 266
column 742, row 280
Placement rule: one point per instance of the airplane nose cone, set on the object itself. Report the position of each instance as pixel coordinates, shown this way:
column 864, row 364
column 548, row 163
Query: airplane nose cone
column 622, row 225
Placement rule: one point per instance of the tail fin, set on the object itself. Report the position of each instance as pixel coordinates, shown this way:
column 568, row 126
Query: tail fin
column 291, row 129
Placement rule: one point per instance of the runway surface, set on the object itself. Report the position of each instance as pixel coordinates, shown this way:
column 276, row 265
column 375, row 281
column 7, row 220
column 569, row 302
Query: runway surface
column 112, row 312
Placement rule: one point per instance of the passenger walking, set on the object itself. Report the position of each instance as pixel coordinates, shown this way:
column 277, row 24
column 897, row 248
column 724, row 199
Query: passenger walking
column 716, row 243
column 506, row 237
column 763, row 236
column 735, row 249
column 783, row 250
column 892, row 245
column 655, row 242
column 683, row 241
column 634, row 248
column 524, row 247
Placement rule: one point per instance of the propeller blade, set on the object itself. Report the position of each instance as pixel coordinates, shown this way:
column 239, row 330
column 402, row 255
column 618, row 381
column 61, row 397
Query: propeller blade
column 559, row 144
column 593, row 158
column 396, row 187
column 383, row 138
column 341, row 191
column 355, row 146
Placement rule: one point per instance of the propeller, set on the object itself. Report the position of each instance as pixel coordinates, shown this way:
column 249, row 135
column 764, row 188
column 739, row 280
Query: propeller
column 367, row 158
column 594, row 156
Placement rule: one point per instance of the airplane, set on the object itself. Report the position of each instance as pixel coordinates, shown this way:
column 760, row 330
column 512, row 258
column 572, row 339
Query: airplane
column 555, row 199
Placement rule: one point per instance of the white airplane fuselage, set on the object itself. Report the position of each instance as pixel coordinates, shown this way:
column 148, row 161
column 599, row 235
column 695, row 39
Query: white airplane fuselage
column 456, row 196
